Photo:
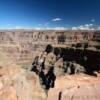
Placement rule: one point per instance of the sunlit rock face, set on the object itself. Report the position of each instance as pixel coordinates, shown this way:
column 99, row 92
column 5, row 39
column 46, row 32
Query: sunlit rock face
column 17, row 84
column 75, row 88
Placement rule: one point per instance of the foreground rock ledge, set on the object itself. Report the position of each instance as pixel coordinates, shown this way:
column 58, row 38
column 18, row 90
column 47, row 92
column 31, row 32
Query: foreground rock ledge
column 78, row 87
column 18, row 84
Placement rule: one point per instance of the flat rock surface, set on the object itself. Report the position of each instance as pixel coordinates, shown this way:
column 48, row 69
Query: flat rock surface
column 77, row 87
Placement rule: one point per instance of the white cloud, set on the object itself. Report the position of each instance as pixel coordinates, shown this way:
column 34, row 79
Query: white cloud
column 45, row 24
column 56, row 19
column 60, row 28
column 87, row 25
column 22, row 27
column 92, row 20
column 74, row 28
column 84, row 27
column 91, row 24
column 12, row 27
column 51, row 28
column 38, row 28
column 18, row 27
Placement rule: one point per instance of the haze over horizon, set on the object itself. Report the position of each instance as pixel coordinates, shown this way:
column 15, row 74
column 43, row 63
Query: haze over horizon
column 50, row 14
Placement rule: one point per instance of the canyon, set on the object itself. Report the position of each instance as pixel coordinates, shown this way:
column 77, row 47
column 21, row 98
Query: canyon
column 19, row 80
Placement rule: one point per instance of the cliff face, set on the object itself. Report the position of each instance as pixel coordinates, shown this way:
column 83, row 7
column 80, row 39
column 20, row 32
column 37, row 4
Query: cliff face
column 23, row 45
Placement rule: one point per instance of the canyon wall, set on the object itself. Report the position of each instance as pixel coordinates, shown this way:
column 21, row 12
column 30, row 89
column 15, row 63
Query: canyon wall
column 18, row 50
column 23, row 45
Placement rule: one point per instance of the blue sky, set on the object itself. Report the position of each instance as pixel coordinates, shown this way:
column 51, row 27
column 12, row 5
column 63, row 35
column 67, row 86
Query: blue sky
column 49, row 13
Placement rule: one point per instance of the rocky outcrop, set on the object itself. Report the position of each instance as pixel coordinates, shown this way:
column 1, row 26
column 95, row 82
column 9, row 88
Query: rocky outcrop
column 60, row 62
column 75, row 88
column 17, row 84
